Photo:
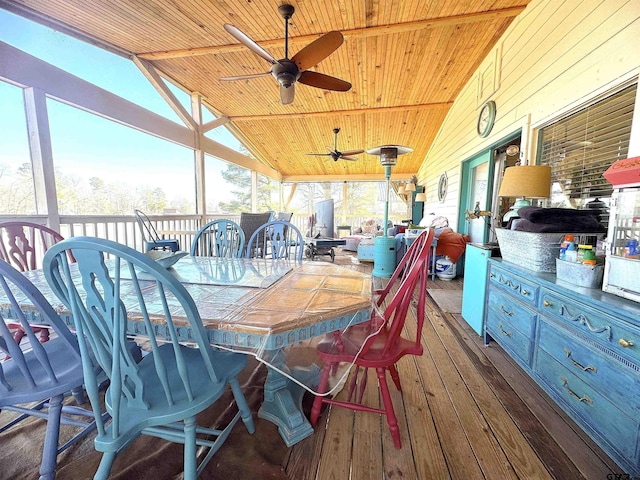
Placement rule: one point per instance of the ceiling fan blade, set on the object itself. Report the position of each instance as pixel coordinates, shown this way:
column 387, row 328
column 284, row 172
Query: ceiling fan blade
column 245, row 77
column 332, row 151
column 318, row 50
column 249, row 43
column 348, row 153
column 319, row 154
column 351, row 159
column 326, row 82
column 287, row 93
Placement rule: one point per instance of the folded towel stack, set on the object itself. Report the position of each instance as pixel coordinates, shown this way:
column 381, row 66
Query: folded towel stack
column 557, row 220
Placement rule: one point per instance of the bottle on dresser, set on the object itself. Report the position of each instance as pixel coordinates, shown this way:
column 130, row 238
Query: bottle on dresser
column 571, row 255
column 563, row 246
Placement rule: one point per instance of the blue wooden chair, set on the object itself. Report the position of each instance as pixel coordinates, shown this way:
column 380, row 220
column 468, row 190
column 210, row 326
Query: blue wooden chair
column 34, row 382
column 152, row 240
column 162, row 394
column 276, row 239
column 219, row 238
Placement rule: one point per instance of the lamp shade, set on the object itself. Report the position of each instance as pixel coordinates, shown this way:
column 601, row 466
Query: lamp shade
column 401, row 190
column 529, row 181
column 421, row 197
column 410, row 187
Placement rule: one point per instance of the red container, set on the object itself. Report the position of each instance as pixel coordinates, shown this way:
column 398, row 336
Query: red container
column 624, row 173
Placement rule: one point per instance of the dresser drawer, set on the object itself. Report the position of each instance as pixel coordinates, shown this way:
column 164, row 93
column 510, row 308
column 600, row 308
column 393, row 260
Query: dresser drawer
column 594, row 325
column 604, row 373
column 513, row 341
column 511, row 324
column 510, row 310
column 524, row 289
column 588, row 407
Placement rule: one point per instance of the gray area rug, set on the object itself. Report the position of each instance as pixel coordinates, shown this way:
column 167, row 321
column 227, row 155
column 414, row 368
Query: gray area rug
column 449, row 301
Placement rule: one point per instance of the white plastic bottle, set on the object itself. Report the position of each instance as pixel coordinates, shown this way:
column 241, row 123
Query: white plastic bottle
column 571, row 255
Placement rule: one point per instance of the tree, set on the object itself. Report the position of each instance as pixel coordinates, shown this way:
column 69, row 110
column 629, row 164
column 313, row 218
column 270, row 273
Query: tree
column 241, row 178
column 16, row 190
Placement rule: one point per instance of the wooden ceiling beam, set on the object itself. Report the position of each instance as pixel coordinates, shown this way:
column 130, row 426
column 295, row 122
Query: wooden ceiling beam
column 357, row 32
column 363, row 177
column 157, row 82
column 213, row 124
column 293, row 116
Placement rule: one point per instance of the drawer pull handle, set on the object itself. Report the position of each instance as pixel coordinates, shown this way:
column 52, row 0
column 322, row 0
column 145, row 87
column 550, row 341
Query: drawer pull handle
column 492, row 275
column 625, row 343
column 577, row 364
column 505, row 311
column 504, row 332
column 546, row 303
column 525, row 292
column 574, row 394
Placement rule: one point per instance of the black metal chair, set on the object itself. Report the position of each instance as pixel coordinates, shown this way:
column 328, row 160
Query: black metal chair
column 152, row 240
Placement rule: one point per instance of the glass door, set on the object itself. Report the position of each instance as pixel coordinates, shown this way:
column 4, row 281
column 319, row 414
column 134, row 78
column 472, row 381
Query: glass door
column 475, row 203
column 480, row 207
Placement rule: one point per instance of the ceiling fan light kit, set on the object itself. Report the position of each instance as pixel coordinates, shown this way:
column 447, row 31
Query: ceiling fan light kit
column 287, row 71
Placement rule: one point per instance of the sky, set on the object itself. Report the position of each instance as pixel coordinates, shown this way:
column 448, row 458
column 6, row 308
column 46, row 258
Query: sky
column 90, row 145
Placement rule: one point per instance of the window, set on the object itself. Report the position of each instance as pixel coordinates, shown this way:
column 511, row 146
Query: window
column 17, row 195
column 580, row 147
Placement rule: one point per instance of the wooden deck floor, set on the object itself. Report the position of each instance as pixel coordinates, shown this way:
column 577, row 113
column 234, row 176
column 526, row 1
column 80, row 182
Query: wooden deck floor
column 466, row 412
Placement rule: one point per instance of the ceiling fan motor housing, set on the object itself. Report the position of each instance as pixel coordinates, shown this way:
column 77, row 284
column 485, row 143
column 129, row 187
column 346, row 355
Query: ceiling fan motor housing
column 285, row 72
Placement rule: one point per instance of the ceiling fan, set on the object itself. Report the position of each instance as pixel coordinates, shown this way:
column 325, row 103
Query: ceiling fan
column 335, row 154
column 287, row 71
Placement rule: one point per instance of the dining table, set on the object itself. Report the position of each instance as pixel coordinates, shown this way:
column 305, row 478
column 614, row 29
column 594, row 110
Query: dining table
column 274, row 310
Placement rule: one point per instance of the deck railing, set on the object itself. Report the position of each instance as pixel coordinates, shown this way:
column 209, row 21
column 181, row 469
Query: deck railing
column 124, row 229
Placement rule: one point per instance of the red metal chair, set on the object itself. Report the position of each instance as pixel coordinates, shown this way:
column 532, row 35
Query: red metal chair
column 23, row 244
column 385, row 346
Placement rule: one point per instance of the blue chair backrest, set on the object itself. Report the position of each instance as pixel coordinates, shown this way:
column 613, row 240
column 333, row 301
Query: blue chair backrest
column 219, row 238
column 108, row 282
column 35, row 377
column 276, row 239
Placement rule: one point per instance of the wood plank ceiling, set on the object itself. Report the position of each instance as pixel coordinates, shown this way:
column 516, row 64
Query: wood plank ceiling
column 406, row 59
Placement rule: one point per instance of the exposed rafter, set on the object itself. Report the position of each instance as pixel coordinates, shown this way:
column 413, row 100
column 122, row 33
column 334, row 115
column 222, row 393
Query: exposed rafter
column 154, row 78
column 293, row 116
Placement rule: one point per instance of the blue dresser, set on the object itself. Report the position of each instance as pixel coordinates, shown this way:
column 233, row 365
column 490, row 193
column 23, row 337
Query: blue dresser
column 581, row 345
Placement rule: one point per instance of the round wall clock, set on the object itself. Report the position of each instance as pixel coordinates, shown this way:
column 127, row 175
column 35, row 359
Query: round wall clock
column 486, row 118
column 442, row 187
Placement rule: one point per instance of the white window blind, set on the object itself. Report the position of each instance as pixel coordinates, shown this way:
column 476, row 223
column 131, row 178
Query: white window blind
column 580, row 147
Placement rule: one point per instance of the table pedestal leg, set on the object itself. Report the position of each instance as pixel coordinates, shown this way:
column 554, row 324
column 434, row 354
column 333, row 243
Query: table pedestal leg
column 283, row 406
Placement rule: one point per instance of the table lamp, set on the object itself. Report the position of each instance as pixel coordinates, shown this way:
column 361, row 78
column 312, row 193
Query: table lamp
column 522, row 182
